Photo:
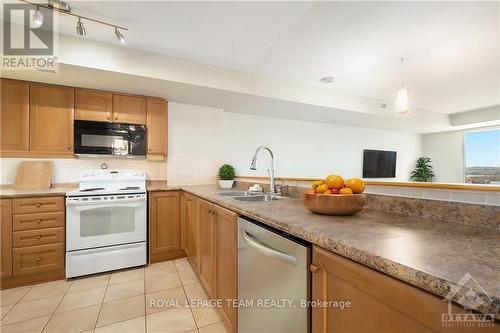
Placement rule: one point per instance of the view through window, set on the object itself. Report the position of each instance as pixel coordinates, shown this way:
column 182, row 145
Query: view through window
column 482, row 157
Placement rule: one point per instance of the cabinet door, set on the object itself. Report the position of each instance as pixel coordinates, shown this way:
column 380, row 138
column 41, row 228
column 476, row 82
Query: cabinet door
column 164, row 226
column 206, row 220
column 129, row 109
column 6, row 238
column 93, row 105
column 14, row 117
column 51, row 120
column 156, row 125
column 227, row 264
column 379, row 303
column 191, row 230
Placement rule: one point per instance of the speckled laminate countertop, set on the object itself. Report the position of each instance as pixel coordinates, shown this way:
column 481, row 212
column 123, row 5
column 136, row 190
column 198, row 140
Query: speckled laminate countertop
column 430, row 254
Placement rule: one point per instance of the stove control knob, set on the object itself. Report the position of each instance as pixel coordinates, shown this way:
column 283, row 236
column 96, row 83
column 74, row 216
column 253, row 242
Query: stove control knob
column 134, row 174
column 91, row 174
column 84, row 175
column 142, row 174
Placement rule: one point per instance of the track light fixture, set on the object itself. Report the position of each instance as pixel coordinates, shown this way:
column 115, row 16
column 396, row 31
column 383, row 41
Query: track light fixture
column 63, row 8
column 37, row 18
column 402, row 94
column 80, row 29
column 119, row 36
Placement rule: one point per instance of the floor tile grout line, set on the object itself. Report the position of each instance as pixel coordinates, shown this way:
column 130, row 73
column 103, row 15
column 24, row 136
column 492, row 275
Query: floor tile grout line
column 102, row 303
column 19, row 301
column 71, row 283
column 189, row 302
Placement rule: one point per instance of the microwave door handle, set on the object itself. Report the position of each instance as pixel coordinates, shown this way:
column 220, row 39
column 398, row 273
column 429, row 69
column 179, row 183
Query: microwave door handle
column 267, row 251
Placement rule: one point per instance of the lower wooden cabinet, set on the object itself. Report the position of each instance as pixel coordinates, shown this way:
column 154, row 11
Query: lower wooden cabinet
column 227, row 264
column 33, row 247
column 164, row 226
column 379, row 303
column 206, row 220
column 191, row 229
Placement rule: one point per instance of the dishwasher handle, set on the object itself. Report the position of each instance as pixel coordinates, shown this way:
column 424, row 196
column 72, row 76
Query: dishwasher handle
column 267, row 251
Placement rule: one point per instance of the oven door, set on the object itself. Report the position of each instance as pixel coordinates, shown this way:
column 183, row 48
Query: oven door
column 97, row 221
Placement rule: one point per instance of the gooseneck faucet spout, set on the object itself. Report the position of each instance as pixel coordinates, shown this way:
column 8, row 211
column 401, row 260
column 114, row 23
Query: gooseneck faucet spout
column 270, row 171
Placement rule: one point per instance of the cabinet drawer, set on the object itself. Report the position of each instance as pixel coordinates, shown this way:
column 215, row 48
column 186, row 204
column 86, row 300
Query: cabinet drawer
column 37, row 205
column 38, row 259
column 38, row 221
column 38, row 237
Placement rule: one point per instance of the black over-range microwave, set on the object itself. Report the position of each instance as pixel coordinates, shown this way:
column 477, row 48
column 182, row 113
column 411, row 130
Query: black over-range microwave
column 103, row 138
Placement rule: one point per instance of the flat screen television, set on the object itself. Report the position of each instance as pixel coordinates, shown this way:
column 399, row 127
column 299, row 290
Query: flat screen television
column 379, row 164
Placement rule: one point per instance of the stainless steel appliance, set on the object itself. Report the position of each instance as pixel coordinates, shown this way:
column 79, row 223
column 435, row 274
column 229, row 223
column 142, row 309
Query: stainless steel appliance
column 103, row 138
column 106, row 222
column 273, row 270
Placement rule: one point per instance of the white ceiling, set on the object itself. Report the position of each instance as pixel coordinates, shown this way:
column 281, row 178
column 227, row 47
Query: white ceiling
column 451, row 48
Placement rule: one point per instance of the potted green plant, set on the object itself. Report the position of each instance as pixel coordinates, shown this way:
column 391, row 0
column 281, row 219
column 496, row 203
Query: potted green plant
column 423, row 171
column 226, row 176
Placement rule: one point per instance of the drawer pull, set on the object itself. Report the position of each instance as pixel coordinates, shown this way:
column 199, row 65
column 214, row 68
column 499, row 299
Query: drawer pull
column 38, row 205
column 38, row 259
column 39, row 221
column 69, row 147
column 38, row 236
column 314, row 268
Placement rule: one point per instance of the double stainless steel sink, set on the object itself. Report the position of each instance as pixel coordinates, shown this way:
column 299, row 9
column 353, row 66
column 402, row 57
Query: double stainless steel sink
column 246, row 196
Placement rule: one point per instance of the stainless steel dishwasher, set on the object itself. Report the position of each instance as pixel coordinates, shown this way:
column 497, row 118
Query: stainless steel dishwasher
column 273, row 280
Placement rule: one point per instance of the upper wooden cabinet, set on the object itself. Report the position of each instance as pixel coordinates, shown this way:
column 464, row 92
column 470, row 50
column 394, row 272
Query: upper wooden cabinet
column 14, row 117
column 129, row 109
column 164, row 226
column 51, row 119
column 93, row 105
column 156, row 125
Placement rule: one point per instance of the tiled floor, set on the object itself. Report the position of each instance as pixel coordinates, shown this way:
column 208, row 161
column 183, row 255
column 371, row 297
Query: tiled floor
column 151, row 299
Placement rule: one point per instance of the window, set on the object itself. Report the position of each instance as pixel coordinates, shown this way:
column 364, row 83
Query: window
column 482, row 157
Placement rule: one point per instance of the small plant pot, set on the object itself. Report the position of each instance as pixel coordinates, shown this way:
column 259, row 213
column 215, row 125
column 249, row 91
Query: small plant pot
column 226, row 183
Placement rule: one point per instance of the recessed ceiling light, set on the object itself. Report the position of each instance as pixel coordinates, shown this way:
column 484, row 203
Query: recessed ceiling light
column 327, row 79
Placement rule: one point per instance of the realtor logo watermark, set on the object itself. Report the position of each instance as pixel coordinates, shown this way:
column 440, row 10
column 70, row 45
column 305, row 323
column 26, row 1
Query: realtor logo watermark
column 27, row 45
column 472, row 297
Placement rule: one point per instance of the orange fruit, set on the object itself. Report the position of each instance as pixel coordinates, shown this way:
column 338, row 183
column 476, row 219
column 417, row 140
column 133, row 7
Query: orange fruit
column 355, row 184
column 316, row 183
column 345, row 190
column 334, row 181
column 327, row 192
column 321, row 189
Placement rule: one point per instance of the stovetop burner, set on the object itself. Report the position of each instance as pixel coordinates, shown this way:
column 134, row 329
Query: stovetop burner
column 92, row 189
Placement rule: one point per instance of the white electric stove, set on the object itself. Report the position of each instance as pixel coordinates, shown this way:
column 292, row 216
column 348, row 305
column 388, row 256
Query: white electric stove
column 106, row 222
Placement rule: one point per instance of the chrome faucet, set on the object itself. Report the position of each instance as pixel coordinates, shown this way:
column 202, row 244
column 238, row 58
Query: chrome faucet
column 270, row 171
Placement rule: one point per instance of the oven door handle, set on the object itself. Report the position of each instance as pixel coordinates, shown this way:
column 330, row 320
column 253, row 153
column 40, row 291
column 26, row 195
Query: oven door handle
column 104, row 202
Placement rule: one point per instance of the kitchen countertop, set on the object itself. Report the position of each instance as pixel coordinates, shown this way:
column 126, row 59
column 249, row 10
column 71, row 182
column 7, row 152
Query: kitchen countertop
column 57, row 189
column 430, row 254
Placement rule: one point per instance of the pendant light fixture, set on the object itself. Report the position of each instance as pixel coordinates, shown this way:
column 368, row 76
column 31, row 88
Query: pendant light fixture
column 402, row 107
column 37, row 18
column 80, row 29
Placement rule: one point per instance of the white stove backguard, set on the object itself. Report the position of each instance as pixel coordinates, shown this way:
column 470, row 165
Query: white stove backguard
column 112, row 179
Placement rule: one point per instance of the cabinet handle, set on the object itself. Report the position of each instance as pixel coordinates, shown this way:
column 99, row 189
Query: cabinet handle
column 313, row 268
column 38, row 236
column 38, row 205
column 108, row 117
column 38, row 259
column 69, row 147
column 38, row 221
column 116, row 117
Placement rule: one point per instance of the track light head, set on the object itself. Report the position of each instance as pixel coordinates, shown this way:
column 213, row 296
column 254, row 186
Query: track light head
column 80, row 29
column 37, row 18
column 119, row 36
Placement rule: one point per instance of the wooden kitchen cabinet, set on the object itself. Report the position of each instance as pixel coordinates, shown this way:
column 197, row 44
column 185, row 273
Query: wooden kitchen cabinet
column 129, row 109
column 379, row 303
column 14, row 117
column 164, row 226
column 33, row 238
column 191, row 230
column 6, row 238
column 51, row 120
column 227, row 264
column 206, row 221
column 156, row 125
column 93, row 105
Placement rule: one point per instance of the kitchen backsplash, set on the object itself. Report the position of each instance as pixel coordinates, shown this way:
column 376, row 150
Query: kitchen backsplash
column 175, row 171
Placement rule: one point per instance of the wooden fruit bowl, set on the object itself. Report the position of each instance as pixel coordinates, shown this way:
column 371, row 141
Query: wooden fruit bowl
column 337, row 204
